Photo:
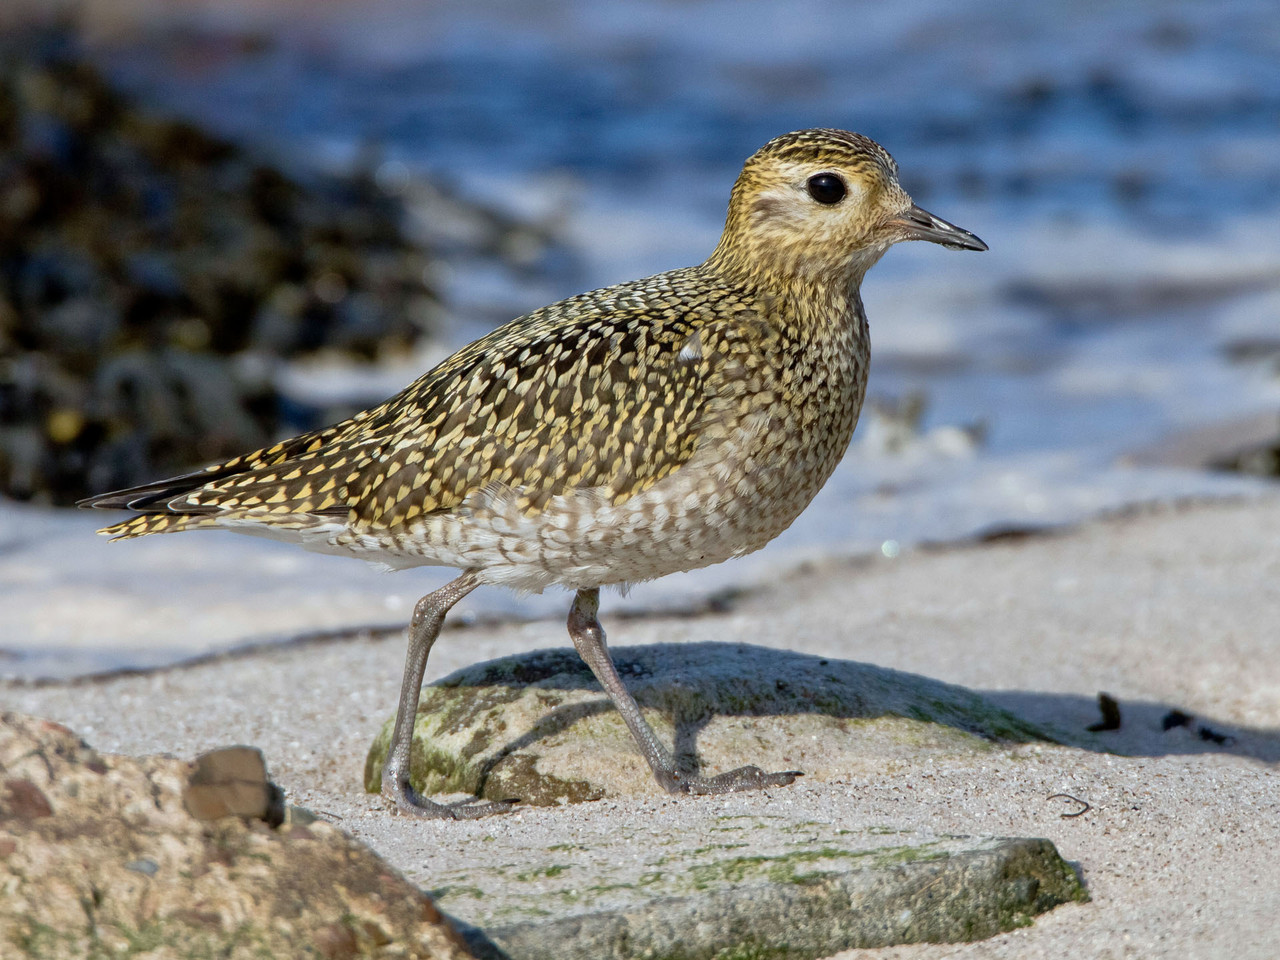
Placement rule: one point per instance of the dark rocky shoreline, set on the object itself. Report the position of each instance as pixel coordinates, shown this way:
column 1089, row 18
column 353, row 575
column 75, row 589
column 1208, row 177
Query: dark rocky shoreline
column 153, row 277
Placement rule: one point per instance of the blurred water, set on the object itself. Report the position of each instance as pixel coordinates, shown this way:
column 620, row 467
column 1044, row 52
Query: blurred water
column 1121, row 159
column 1152, row 110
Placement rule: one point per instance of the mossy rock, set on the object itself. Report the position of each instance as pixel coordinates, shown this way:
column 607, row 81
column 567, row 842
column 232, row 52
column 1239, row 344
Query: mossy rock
column 537, row 726
column 768, row 887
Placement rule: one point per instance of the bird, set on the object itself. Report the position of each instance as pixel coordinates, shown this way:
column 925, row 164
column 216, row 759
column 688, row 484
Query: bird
column 614, row 437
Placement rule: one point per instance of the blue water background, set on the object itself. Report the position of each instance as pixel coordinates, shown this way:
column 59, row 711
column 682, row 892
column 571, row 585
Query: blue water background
column 1091, row 144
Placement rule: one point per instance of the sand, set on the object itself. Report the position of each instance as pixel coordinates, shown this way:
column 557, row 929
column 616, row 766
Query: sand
column 1172, row 608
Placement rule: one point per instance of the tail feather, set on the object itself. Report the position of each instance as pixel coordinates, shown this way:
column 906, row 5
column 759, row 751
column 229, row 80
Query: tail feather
column 164, row 506
column 149, row 494
column 145, row 523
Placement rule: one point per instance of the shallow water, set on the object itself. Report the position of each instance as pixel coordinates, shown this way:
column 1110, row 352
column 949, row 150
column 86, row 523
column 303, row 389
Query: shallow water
column 1122, row 161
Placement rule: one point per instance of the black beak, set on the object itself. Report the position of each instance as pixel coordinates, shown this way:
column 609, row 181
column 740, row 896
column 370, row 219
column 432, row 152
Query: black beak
column 918, row 224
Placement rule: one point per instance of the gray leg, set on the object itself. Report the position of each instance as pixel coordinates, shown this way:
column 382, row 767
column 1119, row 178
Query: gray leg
column 428, row 616
column 588, row 639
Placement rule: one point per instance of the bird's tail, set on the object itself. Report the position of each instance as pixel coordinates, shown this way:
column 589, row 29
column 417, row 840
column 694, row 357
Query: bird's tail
column 166, row 506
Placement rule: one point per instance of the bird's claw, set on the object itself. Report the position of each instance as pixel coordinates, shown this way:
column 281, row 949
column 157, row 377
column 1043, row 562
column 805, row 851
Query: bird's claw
column 409, row 801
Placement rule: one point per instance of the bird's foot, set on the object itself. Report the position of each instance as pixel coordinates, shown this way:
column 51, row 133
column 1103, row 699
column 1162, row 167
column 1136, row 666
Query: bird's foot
column 743, row 778
column 410, row 801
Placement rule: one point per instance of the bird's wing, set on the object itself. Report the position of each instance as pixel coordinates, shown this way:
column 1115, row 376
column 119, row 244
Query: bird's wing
column 606, row 402
column 605, row 391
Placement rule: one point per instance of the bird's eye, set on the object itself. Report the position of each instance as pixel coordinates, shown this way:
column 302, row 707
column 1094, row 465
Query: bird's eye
column 827, row 188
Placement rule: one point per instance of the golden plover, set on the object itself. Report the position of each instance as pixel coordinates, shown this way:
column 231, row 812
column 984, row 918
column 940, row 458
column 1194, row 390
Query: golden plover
column 613, row 437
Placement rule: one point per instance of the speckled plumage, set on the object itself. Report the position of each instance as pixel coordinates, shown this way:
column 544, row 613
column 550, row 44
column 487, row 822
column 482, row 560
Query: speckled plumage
column 556, row 449
column 616, row 436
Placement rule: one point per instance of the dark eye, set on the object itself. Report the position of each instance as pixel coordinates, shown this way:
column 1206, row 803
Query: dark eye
column 826, row 188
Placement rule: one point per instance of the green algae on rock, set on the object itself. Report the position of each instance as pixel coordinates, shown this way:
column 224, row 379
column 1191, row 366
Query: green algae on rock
column 536, row 726
column 832, row 890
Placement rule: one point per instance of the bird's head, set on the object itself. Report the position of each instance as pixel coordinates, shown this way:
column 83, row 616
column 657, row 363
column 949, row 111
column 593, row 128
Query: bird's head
column 823, row 205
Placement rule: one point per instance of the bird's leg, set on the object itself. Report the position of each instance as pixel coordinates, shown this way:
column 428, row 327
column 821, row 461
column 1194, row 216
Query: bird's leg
column 428, row 616
column 589, row 640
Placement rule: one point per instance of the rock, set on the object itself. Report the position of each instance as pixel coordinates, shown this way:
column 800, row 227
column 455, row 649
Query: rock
column 100, row 857
column 757, row 894
column 153, row 277
column 1257, row 460
column 537, row 726
column 233, row 781
column 1248, row 445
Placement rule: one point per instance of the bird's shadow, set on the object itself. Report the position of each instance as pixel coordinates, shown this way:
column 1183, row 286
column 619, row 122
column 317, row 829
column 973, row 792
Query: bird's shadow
column 689, row 684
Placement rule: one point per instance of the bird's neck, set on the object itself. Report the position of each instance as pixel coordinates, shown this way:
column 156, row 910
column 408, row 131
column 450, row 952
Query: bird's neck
column 819, row 304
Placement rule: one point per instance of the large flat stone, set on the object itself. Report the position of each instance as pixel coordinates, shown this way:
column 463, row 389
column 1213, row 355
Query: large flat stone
column 537, row 726
column 748, row 894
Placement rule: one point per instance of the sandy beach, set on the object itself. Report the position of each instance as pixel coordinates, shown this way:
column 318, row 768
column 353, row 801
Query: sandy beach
column 1165, row 609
